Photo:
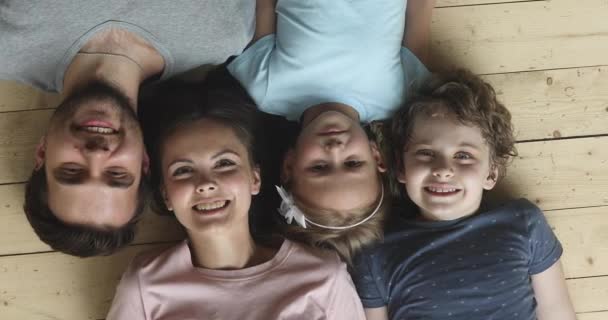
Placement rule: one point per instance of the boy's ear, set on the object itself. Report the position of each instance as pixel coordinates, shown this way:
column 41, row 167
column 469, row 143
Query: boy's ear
column 492, row 178
column 378, row 157
column 256, row 182
column 287, row 166
column 40, row 154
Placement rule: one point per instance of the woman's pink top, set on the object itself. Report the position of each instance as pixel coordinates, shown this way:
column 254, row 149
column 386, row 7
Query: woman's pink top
column 298, row 283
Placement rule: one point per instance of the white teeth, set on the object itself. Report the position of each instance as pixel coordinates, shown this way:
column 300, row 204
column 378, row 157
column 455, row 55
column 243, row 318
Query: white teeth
column 98, row 129
column 441, row 190
column 210, row 206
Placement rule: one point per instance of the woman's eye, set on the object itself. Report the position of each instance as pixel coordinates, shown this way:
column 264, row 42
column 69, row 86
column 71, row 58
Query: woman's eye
column 463, row 156
column 181, row 171
column 425, row 153
column 223, row 163
column 353, row 163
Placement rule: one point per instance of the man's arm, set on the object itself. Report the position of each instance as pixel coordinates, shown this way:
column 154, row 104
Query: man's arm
column 551, row 294
column 265, row 19
column 418, row 28
column 376, row 313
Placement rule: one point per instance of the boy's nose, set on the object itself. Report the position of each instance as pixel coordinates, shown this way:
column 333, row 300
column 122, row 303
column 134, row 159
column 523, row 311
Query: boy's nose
column 443, row 172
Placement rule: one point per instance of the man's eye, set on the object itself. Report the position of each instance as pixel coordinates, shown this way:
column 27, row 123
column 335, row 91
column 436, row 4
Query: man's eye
column 463, row 156
column 353, row 163
column 71, row 171
column 182, row 171
column 117, row 174
column 224, row 163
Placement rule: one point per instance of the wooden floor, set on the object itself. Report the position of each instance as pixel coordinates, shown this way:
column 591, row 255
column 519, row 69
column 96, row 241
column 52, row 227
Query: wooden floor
column 548, row 61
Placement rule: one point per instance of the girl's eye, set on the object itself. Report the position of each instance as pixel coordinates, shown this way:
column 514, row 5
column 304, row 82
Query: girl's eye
column 224, row 163
column 319, row 167
column 463, row 156
column 353, row 163
column 182, row 171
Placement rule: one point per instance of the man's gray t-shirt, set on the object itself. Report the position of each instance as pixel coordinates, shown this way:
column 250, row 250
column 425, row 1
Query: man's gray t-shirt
column 477, row 267
column 39, row 39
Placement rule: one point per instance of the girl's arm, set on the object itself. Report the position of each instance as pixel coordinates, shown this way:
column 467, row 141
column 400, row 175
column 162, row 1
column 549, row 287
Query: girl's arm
column 376, row 313
column 418, row 28
column 551, row 294
column 265, row 18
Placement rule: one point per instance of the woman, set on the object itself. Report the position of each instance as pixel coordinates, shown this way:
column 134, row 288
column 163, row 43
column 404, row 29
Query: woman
column 208, row 173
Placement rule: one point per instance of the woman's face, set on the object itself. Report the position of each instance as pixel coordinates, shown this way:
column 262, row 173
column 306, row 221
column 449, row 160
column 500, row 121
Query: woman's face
column 208, row 179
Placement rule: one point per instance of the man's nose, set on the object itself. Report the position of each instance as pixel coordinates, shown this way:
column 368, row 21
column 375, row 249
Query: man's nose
column 96, row 143
column 333, row 143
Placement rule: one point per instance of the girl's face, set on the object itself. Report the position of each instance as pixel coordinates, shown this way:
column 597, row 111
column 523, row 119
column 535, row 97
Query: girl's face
column 208, row 179
column 446, row 167
column 334, row 166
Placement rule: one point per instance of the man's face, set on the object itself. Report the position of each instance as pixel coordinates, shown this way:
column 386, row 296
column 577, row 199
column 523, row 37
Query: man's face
column 93, row 154
column 446, row 167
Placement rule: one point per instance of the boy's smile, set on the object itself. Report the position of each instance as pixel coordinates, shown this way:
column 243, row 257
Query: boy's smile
column 446, row 167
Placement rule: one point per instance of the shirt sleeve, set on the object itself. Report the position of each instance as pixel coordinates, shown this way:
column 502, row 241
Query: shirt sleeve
column 251, row 68
column 344, row 303
column 364, row 278
column 414, row 72
column 545, row 248
column 128, row 303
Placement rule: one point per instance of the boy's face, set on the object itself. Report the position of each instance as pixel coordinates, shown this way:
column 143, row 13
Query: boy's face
column 446, row 167
column 334, row 166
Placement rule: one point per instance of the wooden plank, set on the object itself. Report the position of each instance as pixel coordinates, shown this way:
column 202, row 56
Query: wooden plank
column 602, row 315
column 589, row 294
column 584, row 237
column 17, row 96
column 64, row 287
column 17, row 237
column 555, row 103
column 20, row 132
column 521, row 36
column 57, row 286
column 558, row 174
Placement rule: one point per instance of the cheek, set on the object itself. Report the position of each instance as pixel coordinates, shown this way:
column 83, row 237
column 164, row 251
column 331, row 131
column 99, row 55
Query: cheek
column 178, row 192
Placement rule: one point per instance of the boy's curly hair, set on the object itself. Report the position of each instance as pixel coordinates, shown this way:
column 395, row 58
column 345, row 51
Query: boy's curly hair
column 472, row 101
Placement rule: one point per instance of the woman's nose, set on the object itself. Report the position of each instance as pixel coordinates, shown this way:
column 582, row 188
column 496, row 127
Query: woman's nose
column 206, row 186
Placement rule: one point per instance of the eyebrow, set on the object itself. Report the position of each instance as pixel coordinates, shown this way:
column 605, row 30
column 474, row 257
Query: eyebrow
column 113, row 183
column 225, row 151
column 427, row 143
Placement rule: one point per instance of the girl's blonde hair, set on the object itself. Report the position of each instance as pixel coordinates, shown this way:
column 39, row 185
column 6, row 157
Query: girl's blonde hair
column 347, row 242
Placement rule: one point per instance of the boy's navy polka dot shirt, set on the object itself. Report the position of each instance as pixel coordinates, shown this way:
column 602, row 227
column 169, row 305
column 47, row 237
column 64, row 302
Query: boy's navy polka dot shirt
column 477, row 267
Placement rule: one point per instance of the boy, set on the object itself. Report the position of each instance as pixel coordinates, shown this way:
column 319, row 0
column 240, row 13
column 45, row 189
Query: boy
column 455, row 260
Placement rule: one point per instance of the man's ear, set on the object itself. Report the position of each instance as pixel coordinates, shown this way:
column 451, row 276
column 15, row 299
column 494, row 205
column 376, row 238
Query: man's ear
column 257, row 181
column 381, row 166
column 492, row 178
column 40, row 154
column 145, row 163
column 287, row 166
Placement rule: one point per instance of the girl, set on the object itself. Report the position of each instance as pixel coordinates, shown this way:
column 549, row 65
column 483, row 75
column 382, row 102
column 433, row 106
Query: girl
column 332, row 65
column 208, row 173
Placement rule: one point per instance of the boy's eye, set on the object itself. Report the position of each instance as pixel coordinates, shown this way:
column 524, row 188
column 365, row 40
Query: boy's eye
column 224, row 163
column 463, row 156
column 182, row 171
column 353, row 163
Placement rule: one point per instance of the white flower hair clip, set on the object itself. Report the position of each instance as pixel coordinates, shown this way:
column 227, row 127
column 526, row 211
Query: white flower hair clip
column 291, row 212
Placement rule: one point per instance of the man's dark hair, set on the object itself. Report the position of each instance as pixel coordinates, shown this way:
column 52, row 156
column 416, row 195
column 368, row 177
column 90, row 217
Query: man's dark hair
column 78, row 240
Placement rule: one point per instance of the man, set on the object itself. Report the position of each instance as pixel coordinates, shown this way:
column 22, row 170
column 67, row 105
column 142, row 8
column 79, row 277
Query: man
column 88, row 185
